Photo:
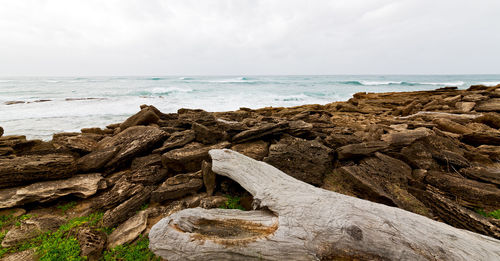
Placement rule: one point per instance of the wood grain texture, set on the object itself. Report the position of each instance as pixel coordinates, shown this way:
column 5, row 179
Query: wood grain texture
column 298, row 221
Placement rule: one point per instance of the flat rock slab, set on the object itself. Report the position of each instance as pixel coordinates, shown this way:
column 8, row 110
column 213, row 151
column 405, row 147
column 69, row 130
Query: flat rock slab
column 32, row 168
column 78, row 143
column 383, row 179
column 82, row 186
column 189, row 158
column 121, row 148
column 146, row 116
column 259, row 131
column 26, row 255
column 129, row 230
column 302, row 159
column 178, row 186
column 489, row 105
column 176, row 140
column 467, row 192
column 31, row 228
column 353, row 151
column 486, row 175
column 253, row 149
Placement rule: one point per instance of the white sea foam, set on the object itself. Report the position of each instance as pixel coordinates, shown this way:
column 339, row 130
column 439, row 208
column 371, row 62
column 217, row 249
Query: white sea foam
column 120, row 97
column 457, row 83
column 166, row 90
column 490, row 83
column 375, row 83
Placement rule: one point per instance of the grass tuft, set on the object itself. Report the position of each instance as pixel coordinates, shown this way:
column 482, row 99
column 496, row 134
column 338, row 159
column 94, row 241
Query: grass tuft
column 232, row 203
column 67, row 206
column 131, row 252
column 493, row 214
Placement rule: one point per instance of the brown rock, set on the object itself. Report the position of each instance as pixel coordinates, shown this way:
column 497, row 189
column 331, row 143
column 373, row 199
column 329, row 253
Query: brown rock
column 91, row 242
column 27, row 169
column 492, row 151
column 208, row 177
column 475, row 97
column 82, row 186
column 231, row 127
column 359, row 150
column 1, row 131
column 30, row 228
column 176, row 140
column 121, row 148
column 383, row 179
column 482, row 138
column 77, row 143
column 467, row 192
column 450, row 126
column 177, row 187
column 347, row 107
column 253, row 149
column 450, row 159
column 126, row 209
column 26, row 255
column 405, row 137
column 92, row 130
column 144, row 161
column 465, row 106
column 305, row 160
column 490, row 119
column 260, row 131
column 129, row 230
column 13, row 102
column 189, row 158
column 489, row 105
column 411, row 108
column 120, row 192
column 299, row 128
column 336, row 140
column 4, row 151
column 487, row 175
column 97, row 159
column 207, row 135
column 146, row 116
column 149, row 175
column 456, row 215
column 423, row 153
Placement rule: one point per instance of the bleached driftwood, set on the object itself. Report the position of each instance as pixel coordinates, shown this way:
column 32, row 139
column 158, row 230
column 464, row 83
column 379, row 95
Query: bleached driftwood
column 301, row 222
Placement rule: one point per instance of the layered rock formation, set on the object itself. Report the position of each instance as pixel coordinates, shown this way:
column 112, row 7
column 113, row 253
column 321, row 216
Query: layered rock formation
column 434, row 153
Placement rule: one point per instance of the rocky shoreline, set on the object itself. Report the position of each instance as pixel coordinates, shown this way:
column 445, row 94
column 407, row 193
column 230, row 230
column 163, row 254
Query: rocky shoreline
column 434, row 153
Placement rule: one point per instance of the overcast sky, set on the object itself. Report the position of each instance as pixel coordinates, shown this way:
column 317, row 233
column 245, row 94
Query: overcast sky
column 223, row 37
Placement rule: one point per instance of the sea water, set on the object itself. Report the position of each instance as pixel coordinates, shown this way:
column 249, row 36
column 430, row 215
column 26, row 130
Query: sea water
column 49, row 105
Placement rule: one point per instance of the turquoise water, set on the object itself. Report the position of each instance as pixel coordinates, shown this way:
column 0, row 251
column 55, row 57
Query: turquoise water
column 72, row 103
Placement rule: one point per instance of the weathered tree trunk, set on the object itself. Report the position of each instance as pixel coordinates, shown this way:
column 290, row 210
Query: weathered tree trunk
column 301, row 222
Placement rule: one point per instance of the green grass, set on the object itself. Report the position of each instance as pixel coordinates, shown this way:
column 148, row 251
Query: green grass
column 67, row 206
column 58, row 245
column 493, row 214
column 63, row 245
column 5, row 219
column 131, row 252
column 232, row 203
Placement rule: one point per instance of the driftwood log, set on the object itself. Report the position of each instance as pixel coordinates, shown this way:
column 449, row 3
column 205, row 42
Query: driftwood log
column 297, row 221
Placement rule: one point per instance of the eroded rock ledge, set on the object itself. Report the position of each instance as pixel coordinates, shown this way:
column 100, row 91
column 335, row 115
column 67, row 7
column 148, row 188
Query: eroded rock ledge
column 433, row 153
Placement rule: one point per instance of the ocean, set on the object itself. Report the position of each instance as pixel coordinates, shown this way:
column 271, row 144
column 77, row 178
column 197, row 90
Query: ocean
column 48, row 105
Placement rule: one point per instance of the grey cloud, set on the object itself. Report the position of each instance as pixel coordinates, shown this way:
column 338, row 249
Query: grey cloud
column 131, row 37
